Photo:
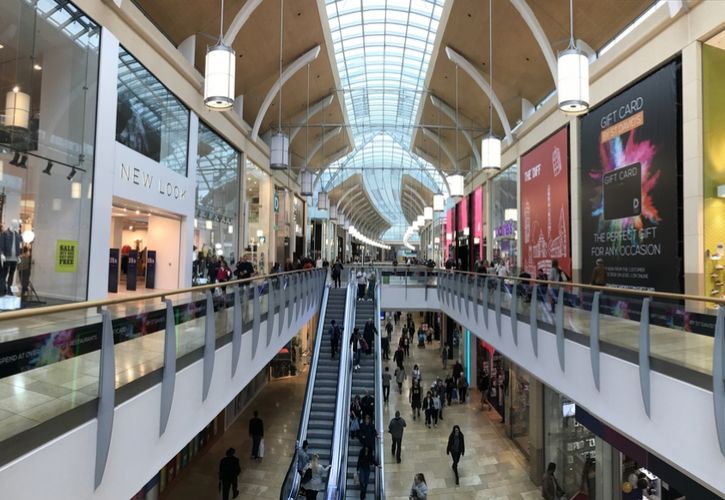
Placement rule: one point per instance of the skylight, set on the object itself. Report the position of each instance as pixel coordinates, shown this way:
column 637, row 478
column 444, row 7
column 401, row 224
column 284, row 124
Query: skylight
column 382, row 52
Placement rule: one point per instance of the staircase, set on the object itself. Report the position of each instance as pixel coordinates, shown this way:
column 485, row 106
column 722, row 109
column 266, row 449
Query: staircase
column 362, row 379
column 324, row 397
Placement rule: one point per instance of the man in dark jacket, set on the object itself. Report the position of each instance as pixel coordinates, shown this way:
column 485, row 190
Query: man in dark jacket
column 367, row 403
column 395, row 428
column 334, row 338
column 229, row 470
column 369, row 335
column 456, row 448
column 367, row 433
column 256, row 432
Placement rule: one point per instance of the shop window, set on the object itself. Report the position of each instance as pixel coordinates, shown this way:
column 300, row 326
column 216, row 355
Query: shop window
column 216, row 225
column 504, row 217
column 150, row 119
column 47, row 128
column 258, row 208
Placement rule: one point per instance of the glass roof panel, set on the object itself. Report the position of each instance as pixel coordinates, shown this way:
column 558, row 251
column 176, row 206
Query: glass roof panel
column 382, row 51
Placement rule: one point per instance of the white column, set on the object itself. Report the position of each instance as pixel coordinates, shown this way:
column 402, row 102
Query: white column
column 186, row 244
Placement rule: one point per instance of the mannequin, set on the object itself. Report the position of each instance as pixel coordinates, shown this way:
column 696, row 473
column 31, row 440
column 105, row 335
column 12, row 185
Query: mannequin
column 10, row 242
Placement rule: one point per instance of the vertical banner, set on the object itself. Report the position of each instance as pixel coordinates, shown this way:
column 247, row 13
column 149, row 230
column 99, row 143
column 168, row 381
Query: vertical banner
column 478, row 219
column 113, row 258
column 630, row 192
column 151, row 269
column 544, row 181
column 131, row 270
column 450, row 230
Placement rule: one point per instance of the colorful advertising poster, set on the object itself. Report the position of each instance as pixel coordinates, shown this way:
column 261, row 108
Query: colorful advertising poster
column 630, row 193
column 544, row 181
column 462, row 217
column 66, row 256
column 450, row 228
column 478, row 218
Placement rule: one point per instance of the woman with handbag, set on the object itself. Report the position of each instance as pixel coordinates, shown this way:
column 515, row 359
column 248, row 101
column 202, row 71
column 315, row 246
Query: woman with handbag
column 312, row 478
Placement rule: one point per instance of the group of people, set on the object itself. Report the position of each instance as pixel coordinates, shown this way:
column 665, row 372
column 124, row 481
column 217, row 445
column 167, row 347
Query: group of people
column 229, row 466
column 365, row 284
column 362, row 342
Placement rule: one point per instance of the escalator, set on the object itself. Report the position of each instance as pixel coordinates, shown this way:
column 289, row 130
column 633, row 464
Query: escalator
column 318, row 414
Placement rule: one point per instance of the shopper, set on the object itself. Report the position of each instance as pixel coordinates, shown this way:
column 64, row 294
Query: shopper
column 395, row 428
column 400, row 377
column 367, row 433
column 386, row 384
column 334, row 337
column 429, row 409
column 444, row 356
column 362, row 283
column 314, row 484
column 462, row 389
column 303, row 457
column 368, row 404
column 416, row 375
column 441, row 390
column 556, row 275
column 399, row 357
column 419, row 490
column 456, row 448
column 457, row 371
column 337, row 272
column 256, row 432
column 229, row 471
column 369, row 335
column 365, row 462
column 550, row 489
column 484, row 382
column 450, row 389
column 356, row 348
column 385, row 340
column 599, row 274
column 415, row 398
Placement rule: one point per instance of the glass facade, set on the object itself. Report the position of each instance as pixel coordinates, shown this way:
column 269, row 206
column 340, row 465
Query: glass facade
column 504, row 216
column 48, row 85
column 150, row 119
column 216, row 223
column 258, row 215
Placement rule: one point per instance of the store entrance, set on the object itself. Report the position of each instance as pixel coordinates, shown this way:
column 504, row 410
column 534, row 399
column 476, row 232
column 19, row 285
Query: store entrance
column 144, row 249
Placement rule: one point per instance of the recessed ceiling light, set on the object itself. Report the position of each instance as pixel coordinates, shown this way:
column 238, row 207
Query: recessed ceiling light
column 37, row 67
column 2, row 46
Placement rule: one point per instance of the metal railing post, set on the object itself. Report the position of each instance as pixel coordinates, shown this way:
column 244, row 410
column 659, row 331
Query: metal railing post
column 559, row 321
column 209, row 345
column 106, row 397
column 533, row 319
column 497, row 305
column 514, row 313
column 644, row 351
column 168, row 377
column 594, row 338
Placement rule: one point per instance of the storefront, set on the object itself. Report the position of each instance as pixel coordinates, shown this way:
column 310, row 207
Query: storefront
column 49, row 88
column 478, row 222
column 504, row 216
column 257, row 216
column 463, row 231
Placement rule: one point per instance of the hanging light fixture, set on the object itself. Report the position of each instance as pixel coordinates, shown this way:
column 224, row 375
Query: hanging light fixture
column 439, row 202
column 17, row 108
column 455, row 184
column 306, row 177
column 219, row 72
column 572, row 75
column 428, row 213
column 305, row 180
column 323, row 201
column 420, row 220
column 279, row 142
column 333, row 211
column 490, row 144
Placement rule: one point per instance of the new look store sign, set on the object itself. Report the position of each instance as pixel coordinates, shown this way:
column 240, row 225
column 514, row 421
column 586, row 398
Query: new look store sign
column 140, row 179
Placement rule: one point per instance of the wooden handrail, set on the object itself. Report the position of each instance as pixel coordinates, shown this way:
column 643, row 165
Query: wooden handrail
column 77, row 306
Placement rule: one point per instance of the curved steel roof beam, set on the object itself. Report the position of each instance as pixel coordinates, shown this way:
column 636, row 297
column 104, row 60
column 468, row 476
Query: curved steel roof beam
column 451, row 113
column 304, row 117
column 239, row 20
column 530, row 19
column 323, row 139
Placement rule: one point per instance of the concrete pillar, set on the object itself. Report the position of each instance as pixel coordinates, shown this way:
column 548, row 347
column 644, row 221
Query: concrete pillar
column 536, row 431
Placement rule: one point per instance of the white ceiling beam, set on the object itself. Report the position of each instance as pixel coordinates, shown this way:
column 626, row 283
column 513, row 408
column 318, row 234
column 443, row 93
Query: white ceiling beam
column 239, row 20
column 288, row 72
column 484, row 85
column 533, row 23
column 323, row 139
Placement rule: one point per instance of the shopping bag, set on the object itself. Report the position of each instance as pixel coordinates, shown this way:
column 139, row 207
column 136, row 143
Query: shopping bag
column 261, row 448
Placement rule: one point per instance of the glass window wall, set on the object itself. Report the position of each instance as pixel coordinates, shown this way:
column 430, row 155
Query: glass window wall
column 48, row 85
column 504, row 217
column 258, row 215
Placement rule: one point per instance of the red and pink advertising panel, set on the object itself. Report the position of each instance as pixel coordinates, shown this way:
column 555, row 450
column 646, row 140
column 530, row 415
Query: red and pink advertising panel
column 448, row 240
column 478, row 218
column 462, row 216
column 544, row 181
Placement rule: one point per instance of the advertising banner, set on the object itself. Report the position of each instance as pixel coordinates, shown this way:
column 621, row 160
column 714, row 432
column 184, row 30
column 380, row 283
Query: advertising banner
column 66, row 256
column 544, row 180
column 462, row 216
column 630, row 193
column 151, row 269
column 113, row 260
column 478, row 217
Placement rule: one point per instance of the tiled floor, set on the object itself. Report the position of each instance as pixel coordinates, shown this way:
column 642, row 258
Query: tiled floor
column 279, row 405
column 492, row 468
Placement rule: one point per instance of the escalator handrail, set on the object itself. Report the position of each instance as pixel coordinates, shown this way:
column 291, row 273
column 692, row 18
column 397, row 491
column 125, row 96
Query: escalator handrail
column 292, row 478
column 337, row 479
column 380, row 475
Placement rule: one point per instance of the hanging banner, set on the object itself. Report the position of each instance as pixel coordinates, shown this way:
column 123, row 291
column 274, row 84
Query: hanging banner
column 113, row 260
column 544, row 181
column 462, row 217
column 131, row 270
column 478, row 220
column 630, row 193
column 151, row 269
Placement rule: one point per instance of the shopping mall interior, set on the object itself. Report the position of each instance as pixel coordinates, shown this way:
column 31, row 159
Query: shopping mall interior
column 334, row 249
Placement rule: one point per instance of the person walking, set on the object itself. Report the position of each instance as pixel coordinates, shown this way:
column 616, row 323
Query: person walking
column 256, row 432
column 400, row 377
column 450, row 389
column 456, row 449
column 334, row 337
column 550, row 489
column 419, row 490
column 599, row 274
column 556, row 275
column 365, row 462
column 303, row 457
column 414, row 397
column 356, row 348
column 457, row 371
column 429, row 408
column 367, row 432
column 362, row 283
column 444, row 356
column 406, row 345
column 437, row 406
column 484, row 382
column 399, row 357
column 416, row 375
column 462, row 389
column 395, row 428
column 369, row 335
column 441, row 390
column 337, row 272
column 387, row 377
column 229, row 471
column 315, row 484
column 386, row 340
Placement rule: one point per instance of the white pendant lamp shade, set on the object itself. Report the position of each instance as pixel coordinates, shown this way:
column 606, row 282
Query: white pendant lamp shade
column 455, row 184
column 491, row 152
column 17, row 109
column 279, row 151
column 219, row 71
column 420, row 220
column 333, row 211
column 351, row 229
column 341, row 219
column 305, row 181
column 323, row 202
column 439, row 202
column 572, row 82
column 428, row 213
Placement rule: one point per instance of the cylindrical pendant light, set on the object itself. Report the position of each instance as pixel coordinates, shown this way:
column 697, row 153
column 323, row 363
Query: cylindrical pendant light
column 305, row 180
column 333, row 212
column 455, row 184
column 279, row 151
column 420, row 220
column 491, row 152
column 439, row 202
column 17, row 109
column 219, row 71
column 428, row 213
column 572, row 75
column 323, row 202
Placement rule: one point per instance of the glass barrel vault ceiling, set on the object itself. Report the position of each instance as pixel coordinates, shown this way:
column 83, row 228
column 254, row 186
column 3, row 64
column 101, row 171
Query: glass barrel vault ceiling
column 382, row 49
